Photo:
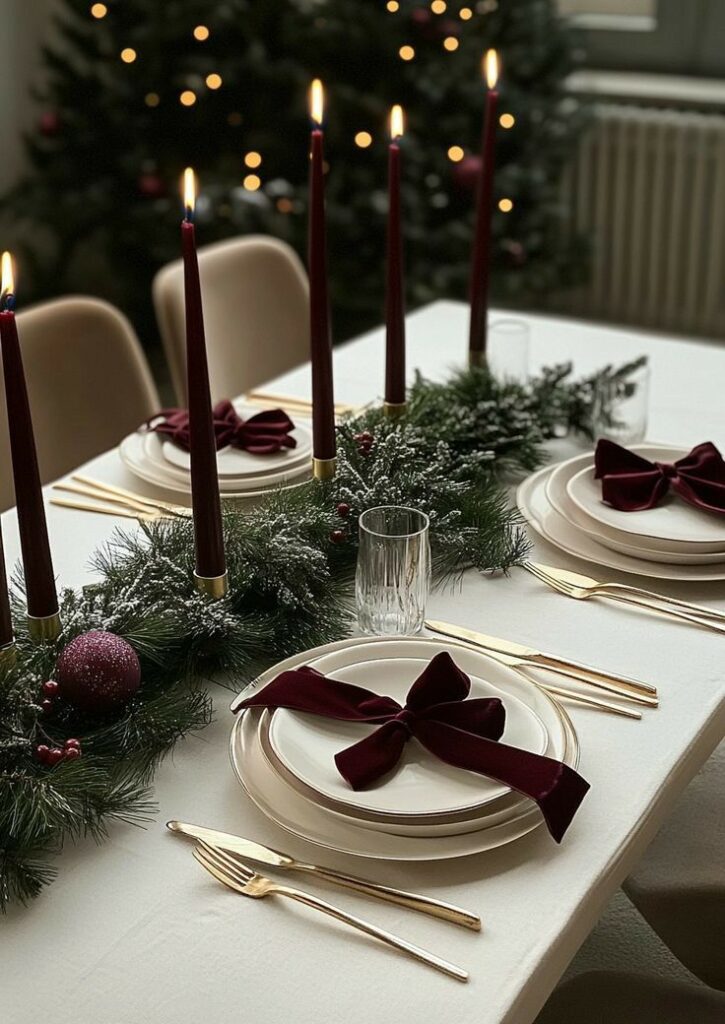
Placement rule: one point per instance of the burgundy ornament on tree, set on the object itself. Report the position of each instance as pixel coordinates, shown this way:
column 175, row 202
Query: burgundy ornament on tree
column 98, row 672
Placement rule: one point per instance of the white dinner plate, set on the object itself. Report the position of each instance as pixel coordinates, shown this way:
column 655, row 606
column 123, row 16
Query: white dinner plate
column 542, row 516
column 611, row 538
column 421, row 786
column 302, row 818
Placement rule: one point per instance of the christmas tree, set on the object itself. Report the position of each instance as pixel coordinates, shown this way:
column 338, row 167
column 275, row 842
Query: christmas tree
column 136, row 90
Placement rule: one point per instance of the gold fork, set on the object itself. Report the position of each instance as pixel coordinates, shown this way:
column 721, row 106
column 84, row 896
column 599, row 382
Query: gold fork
column 582, row 587
column 111, row 491
column 107, row 510
column 243, row 880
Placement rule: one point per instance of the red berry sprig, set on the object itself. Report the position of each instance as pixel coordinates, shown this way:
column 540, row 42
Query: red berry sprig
column 364, row 441
column 343, row 510
column 70, row 751
column 337, row 536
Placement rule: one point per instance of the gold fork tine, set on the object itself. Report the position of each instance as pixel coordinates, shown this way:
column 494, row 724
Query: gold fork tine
column 221, row 875
column 125, row 513
column 105, row 496
column 549, row 581
column 224, row 860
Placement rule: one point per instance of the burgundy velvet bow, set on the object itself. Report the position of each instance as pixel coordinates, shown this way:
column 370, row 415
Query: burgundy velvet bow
column 631, row 483
column 461, row 732
column 263, row 434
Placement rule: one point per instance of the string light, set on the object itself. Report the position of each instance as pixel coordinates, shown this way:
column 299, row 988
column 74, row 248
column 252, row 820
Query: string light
column 201, row 33
column 438, row 6
column 252, row 182
column 465, row 13
column 450, row 43
column 253, row 159
column 363, row 139
column 406, row 52
column 99, row 10
column 505, row 205
column 128, row 56
column 392, row 6
column 455, row 153
column 187, row 98
column 214, row 80
column 284, row 205
column 152, row 99
column 507, row 120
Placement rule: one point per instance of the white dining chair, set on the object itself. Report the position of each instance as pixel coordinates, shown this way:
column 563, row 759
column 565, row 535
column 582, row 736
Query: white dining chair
column 88, row 384
column 622, row 997
column 679, row 885
column 256, row 317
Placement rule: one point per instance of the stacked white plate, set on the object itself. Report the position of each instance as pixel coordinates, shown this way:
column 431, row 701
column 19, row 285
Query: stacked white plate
column 424, row 809
column 674, row 540
column 157, row 460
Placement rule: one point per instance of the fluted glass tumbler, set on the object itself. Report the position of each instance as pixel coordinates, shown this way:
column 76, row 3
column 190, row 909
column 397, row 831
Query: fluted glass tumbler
column 393, row 571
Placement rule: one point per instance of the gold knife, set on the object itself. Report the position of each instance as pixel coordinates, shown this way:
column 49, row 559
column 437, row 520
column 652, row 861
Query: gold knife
column 632, row 689
column 264, row 855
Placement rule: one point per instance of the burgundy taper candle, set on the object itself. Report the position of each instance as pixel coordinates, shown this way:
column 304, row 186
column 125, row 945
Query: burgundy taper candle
column 481, row 256
column 323, row 406
column 395, row 291
column 41, row 595
column 206, row 504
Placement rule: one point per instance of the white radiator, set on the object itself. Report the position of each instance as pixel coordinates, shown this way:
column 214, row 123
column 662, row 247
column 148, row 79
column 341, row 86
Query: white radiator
column 648, row 188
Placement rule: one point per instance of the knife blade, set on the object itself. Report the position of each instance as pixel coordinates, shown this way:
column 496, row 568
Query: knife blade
column 642, row 693
column 250, row 850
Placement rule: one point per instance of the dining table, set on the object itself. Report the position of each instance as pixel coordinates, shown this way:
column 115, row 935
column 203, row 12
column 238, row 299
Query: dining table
column 134, row 932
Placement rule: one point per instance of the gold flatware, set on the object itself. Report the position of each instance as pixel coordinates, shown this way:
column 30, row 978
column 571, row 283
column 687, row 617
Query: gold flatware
column 121, row 493
column 68, row 487
column 630, row 689
column 264, row 855
column 243, row 880
column 107, row 510
column 574, row 584
column 290, row 401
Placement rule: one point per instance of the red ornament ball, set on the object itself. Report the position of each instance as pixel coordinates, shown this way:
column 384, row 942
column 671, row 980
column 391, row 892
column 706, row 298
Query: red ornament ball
column 467, row 172
column 49, row 123
column 98, row 672
column 151, row 186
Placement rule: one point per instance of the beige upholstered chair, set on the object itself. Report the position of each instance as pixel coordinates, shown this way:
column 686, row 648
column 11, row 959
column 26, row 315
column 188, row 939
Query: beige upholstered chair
column 620, row 997
column 255, row 314
column 679, row 885
column 88, row 382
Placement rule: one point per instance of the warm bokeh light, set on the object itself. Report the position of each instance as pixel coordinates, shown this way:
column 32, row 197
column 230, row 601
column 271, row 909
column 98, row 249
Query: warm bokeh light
column 465, row 13
column 505, row 205
column 490, row 68
column 450, row 43
column 392, row 6
column 252, row 158
column 152, row 99
column 406, row 52
column 438, row 6
column 201, row 33
column 214, row 80
column 252, row 182
column 128, row 55
column 8, row 276
column 363, row 139
column 284, row 205
column 507, row 120
column 397, row 121
column 187, row 98
column 455, row 153
column 189, row 189
column 99, row 10
column 317, row 101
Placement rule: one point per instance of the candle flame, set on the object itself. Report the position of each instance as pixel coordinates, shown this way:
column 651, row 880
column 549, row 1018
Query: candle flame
column 490, row 68
column 397, row 121
column 189, row 190
column 8, row 278
column 317, row 101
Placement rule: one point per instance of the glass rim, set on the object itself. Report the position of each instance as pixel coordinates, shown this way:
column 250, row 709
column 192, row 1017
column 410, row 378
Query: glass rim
column 397, row 508
column 507, row 322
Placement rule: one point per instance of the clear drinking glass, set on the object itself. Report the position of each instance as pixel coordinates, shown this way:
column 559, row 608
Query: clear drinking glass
column 507, row 350
column 393, row 570
column 621, row 407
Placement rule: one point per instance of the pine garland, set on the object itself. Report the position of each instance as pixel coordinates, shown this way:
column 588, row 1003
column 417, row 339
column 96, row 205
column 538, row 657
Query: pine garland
column 290, row 572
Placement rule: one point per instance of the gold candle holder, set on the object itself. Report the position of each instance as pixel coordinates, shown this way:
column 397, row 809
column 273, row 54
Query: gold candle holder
column 324, row 469
column 8, row 655
column 395, row 410
column 215, row 587
column 476, row 357
column 44, row 628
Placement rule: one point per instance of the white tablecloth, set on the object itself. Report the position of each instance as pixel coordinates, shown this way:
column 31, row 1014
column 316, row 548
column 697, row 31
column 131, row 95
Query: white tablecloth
column 135, row 932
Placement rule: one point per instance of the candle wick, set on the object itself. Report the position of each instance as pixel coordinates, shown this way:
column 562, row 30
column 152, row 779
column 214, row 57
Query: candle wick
column 8, row 302
column 189, row 215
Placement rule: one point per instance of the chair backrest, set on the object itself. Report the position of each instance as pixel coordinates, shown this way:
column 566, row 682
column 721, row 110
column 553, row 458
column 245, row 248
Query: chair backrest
column 256, row 316
column 88, row 383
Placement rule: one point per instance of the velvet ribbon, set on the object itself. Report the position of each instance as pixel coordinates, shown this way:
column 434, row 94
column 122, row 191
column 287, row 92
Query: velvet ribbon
column 631, row 483
column 262, row 434
column 463, row 733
